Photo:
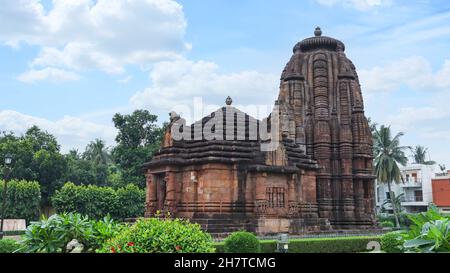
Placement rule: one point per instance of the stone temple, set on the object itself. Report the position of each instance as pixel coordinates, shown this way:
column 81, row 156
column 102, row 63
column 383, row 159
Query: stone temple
column 317, row 178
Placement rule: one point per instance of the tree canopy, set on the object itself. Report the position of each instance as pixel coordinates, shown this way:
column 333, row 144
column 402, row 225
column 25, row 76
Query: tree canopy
column 419, row 154
column 138, row 138
column 37, row 156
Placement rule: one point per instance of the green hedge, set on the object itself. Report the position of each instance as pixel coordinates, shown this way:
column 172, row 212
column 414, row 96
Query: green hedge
column 316, row 245
column 8, row 246
column 22, row 200
column 96, row 202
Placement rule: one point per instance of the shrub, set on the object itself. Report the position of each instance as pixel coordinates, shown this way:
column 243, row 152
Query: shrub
column 22, row 200
column 53, row 234
column 429, row 233
column 403, row 219
column 156, row 235
column 392, row 242
column 317, row 245
column 387, row 224
column 130, row 202
column 242, row 242
column 96, row 202
column 8, row 246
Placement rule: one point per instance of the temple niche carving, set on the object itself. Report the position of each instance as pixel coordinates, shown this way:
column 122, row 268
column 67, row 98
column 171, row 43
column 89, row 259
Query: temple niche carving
column 319, row 176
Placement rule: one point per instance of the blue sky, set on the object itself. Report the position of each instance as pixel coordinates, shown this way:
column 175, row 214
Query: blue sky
column 68, row 66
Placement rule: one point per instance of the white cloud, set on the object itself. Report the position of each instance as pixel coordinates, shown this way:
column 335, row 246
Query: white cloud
column 357, row 4
column 103, row 34
column 177, row 82
column 71, row 132
column 414, row 72
column 125, row 80
column 48, row 74
column 409, row 117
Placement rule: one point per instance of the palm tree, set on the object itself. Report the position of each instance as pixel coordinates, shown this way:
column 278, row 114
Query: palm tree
column 388, row 154
column 396, row 201
column 96, row 152
column 419, row 153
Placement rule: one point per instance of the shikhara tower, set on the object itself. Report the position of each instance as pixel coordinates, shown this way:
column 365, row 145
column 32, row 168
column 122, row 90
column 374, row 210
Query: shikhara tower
column 322, row 111
column 319, row 177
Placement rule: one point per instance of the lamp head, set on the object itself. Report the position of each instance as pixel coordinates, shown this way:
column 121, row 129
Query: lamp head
column 8, row 159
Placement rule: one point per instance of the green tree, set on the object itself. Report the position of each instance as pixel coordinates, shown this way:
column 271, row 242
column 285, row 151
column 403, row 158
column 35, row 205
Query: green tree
column 419, row 153
column 41, row 140
column 395, row 201
column 388, row 154
column 50, row 168
column 97, row 152
column 37, row 157
column 81, row 171
column 138, row 138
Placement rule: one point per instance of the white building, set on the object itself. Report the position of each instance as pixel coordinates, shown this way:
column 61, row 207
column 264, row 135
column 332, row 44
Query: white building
column 417, row 189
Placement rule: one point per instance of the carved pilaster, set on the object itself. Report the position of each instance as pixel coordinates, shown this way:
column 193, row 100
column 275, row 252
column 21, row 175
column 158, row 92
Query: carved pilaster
column 151, row 199
column 261, row 203
column 170, row 203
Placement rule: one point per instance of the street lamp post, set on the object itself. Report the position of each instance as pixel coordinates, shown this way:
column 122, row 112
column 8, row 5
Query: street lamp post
column 8, row 161
column 283, row 243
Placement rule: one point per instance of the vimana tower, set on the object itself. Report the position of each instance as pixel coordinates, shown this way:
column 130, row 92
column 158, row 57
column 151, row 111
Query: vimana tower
column 319, row 176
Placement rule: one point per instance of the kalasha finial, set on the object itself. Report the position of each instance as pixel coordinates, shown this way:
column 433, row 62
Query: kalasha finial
column 229, row 101
column 318, row 32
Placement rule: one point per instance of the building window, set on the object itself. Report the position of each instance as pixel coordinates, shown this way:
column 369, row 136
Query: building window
column 276, row 197
column 418, row 196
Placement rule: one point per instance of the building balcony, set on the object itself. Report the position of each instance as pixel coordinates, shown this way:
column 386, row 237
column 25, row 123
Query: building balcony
column 412, row 184
column 413, row 201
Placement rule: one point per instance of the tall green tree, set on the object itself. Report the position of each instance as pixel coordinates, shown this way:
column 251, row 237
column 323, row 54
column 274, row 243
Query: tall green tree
column 419, row 154
column 389, row 154
column 138, row 138
column 89, row 168
column 97, row 152
column 36, row 157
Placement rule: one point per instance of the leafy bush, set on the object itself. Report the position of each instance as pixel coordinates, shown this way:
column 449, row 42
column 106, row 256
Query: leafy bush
column 316, row 245
column 435, row 237
column 242, row 242
column 429, row 233
column 53, row 234
column 403, row 219
column 160, row 236
column 96, row 202
column 392, row 242
column 130, row 202
column 387, row 224
column 8, row 246
column 22, row 199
